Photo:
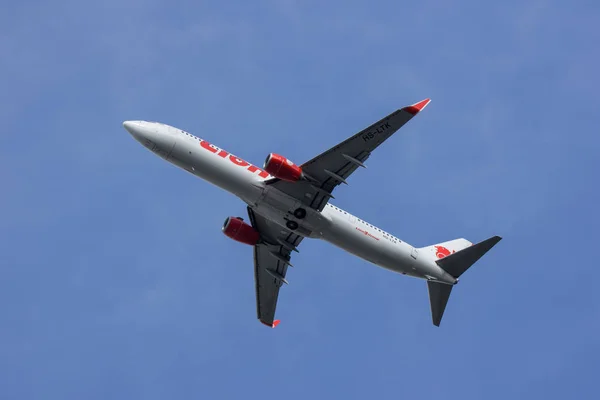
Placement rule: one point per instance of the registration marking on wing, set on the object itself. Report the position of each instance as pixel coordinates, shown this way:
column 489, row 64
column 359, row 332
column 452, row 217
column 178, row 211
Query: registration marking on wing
column 380, row 129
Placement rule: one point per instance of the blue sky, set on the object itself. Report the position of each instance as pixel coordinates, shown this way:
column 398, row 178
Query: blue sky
column 116, row 281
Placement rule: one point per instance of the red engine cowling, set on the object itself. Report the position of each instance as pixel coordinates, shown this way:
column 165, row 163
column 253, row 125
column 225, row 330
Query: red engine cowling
column 240, row 231
column 282, row 168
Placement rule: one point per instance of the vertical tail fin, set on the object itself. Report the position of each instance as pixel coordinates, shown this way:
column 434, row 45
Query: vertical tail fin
column 442, row 250
column 454, row 263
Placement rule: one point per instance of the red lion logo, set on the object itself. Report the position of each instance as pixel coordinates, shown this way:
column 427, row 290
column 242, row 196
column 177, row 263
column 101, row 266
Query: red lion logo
column 441, row 251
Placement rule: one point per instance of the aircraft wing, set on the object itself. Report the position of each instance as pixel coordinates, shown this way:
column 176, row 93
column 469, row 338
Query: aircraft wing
column 334, row 166
column 271, row 261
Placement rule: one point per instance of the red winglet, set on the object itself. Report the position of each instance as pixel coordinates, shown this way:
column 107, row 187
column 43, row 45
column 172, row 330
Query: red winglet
column 415, row 108
column 273, row 325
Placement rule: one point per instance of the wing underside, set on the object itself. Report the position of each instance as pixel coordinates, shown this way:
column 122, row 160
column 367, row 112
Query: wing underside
column 334, row 166
column 271, row 261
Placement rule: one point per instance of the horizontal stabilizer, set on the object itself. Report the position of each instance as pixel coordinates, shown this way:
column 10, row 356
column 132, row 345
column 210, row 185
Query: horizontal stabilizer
column 457, row 263
column 438, row 298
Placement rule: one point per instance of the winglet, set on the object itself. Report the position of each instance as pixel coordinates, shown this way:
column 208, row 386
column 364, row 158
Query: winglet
column 415, row 108
column 273, row 325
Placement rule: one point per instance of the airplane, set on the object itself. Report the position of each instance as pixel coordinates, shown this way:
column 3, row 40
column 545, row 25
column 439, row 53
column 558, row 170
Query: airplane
column 287, row 203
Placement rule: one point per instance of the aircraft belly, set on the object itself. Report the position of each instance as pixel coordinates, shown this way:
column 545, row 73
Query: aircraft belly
column 392, row 256
column 344, row 235
column 278, row 207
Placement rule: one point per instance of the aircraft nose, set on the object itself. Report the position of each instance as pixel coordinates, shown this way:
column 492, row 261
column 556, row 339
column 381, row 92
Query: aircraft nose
column 137, row 129
column 156, row 137
column 132, row 126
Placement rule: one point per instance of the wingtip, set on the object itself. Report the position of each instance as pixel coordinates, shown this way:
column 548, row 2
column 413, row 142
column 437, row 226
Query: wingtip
column 417, row 107
column 494, row 239
column 273, row 325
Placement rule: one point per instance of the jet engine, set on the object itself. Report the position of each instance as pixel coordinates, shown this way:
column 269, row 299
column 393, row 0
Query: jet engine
column 236, row 229
column 282, row 168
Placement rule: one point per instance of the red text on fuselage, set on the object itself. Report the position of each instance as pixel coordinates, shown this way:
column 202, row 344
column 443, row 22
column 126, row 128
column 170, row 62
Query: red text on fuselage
column 235, row 160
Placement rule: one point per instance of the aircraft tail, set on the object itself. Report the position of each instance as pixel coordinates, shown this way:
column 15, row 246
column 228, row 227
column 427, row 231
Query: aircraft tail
column 455, row 257
column 442, row 250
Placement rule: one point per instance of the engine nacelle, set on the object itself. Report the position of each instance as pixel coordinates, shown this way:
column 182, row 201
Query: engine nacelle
column 282, row 168
column 237, row 229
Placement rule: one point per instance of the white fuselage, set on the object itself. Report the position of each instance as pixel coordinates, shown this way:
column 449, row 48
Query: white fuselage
column 247, row 181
